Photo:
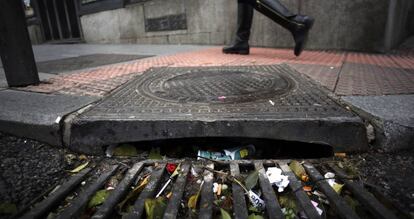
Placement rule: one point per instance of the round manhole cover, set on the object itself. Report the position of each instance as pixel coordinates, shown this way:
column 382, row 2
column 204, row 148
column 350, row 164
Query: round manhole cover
column 217, row 86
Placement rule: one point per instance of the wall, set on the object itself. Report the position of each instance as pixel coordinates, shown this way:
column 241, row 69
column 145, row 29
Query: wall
column 340, row 24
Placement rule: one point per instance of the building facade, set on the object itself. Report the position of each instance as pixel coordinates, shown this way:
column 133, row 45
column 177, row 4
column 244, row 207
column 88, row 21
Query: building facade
column 362, row 25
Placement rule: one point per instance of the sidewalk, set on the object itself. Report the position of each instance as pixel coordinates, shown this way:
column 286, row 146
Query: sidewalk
column 359, row 80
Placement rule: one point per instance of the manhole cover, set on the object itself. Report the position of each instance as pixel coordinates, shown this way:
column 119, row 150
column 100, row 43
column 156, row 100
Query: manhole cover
column 272, row 102
column 216, row 86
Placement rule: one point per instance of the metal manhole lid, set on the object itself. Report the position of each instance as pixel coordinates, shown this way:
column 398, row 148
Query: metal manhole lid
column 216, row 86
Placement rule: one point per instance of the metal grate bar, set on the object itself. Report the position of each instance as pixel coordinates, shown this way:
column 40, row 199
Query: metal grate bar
column 207, row 197
column 272, row 205
column 44, row 207
column 177, row 193
column 303, row 199
column 239, row 201
column 79, row 203
column 365, row 198
column 121, row 190
column 148, row 192
column 341, row 207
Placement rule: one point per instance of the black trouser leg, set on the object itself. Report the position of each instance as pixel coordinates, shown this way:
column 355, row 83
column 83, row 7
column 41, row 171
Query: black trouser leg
column 244, row 24
column 298, row 25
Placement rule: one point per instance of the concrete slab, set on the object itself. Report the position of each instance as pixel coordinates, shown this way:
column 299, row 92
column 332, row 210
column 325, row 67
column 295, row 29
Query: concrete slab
column 272, row 102
column 35, row 115
column 392, row 116
column 83, row 62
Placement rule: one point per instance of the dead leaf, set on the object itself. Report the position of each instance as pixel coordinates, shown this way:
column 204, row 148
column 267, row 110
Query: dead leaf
column 192, row 201
column 297, row 168
column 155, row 208
column 79, row 168
column 135, row 192
column 251, row 180
column 125, row 150
column 337, row 187
column 99, row 198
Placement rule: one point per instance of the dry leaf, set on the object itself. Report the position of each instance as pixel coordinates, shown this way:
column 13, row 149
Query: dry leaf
column 79, row 168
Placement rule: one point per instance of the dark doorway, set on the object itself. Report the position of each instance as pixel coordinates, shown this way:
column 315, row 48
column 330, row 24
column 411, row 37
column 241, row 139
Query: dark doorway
column 59, row 20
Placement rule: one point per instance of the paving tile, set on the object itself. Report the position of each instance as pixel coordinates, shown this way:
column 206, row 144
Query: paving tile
column 368, row 79
column 325, row 75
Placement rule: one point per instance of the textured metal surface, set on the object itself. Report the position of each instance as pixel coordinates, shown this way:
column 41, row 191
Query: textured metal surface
column 221, row 85
column 85, row 61
column 164, row 93
column 273, row 102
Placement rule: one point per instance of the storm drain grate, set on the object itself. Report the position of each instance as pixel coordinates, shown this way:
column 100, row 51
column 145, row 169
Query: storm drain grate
column 95, row 180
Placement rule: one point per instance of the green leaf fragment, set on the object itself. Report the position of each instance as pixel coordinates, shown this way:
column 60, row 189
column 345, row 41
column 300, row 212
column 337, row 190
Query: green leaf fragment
column 125, row 150
column 8, row 208
column 155, row 208
column 288, row 201
column 99, row 198
column 255, row 216
column 251, row 180
column 155, row 154
column 224, row 214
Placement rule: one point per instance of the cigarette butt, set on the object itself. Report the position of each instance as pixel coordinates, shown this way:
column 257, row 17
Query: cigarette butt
column 340, row 154
column 219, row 189
column 169, row 195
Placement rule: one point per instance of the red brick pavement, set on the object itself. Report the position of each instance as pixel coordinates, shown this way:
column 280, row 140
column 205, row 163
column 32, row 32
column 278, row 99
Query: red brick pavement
column 341, row 72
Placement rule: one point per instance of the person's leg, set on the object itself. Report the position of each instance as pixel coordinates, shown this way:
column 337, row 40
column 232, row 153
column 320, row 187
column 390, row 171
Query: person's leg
column 244, row 24
column 298, row 25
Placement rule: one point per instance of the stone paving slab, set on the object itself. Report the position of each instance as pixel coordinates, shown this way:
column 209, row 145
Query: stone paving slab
column 345, row 73
column 242, row 101
column 84, row 62
column 367, row 79
column 393, row 116
column 35, row 115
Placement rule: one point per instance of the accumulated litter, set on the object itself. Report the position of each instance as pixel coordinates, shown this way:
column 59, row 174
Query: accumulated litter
column 330, row 178
column 276, row 178
column 236, row 153
column 194, row 189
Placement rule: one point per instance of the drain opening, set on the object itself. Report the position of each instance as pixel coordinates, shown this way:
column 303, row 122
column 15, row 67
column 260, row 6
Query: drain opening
column 263, row 148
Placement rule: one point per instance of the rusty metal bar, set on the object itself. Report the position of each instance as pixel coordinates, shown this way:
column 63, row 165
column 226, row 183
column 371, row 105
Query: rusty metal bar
column 302, row 198
column 339, row 204
column 149, row 192
column 121, row 190
column 273, row 208
column 207, row 196
column 40, row 210
column 78, row 204
column 364, row 197
column 239, row 201
column 177, row 193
